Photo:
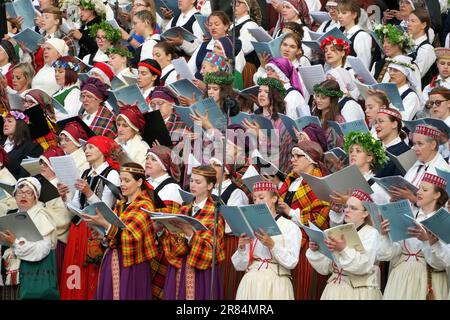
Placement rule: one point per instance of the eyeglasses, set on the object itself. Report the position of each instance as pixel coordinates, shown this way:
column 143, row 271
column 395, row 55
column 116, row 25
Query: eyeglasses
column 438, row 103
column 27, row 193
column 100, row 38
column 329, row 8
column 86, row 97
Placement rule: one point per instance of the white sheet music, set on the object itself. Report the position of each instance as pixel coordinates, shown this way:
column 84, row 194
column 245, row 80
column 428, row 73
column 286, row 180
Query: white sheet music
column 312, row 75
column 181, row 67
column 260, row 34
column 360, row 69
column 66, row 170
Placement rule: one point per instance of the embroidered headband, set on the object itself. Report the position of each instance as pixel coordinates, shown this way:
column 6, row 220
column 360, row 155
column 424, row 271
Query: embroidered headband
column 150, row 67
column 205, row 173
column 361, row 195
column 66, row 65
column 264, row 186
column 391, row 112
column 428, row 131
column 434, row 179
column 132, row 170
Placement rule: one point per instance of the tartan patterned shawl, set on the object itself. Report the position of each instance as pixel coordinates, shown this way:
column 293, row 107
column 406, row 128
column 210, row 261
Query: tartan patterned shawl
column 199, row 251
column 177, row 128
column 137, row 240
column 311, row 208
column 104, row 123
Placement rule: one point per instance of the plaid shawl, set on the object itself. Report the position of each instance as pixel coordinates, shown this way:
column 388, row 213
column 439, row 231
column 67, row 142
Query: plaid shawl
column 177, row 128
column 137, row 240
column 311, row 208
column 199, row 251
column 104, row 123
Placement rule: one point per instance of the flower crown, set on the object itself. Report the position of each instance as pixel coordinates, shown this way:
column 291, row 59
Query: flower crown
column 217, row 60
column 95, row 5
column 335, row 42
column 369, row 144
column 395, row 36
column 212, row 78
column 66, row 65
column 272, row 83
column 18, row 116
column 120, row 51
column 401, row 63
column 328, row 92
column 113, row 35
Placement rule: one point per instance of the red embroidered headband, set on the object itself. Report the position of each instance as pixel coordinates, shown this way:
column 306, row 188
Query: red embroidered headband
column 265, row 186
column 150, row 67
column 434, row 179
column 428, row 131
column 361, row 195
column 391, row 112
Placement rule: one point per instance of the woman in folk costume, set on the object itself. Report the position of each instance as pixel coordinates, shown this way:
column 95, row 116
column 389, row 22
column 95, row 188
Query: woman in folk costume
column 68, row 95
column 295, row 11
column 376, row 100
column 8, row 58
column 82, row 249
column 224, row 47
column 248, row 16
column 426, row 141
column 354, row 275
column 163, row 175
column 415, row 272
column 268, row 261
column 23, row 74
column 388, row 127
column 130, row 127
column 36, row 98
column 395, row 43
column 7, row 200
column 326, row 107
column 401, row 72
column 302, row 205
column 332, row 9
column 284, row 71
column 125, row 272
column 231, row 195
column 148, row 77
column 164, row 100
column 190, row 253
column 56, row 207
column 69, row 141
column 164, row 54
column 44, row 79
column 144, row 25
column 93, row 111
column 186, row 19
column 17, row 142
column 441, row 79
column 270, row 100
column 419, row 23
column 368, row 155
column 219, row 25
column 105, row 36
column 118, row 58
column 438, row 105
column 30, row 266
column 103, row 72
column 361, row 41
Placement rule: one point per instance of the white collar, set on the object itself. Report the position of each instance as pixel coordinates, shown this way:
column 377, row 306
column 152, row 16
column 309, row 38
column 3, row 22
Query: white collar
column 167, row 69
column 99, row 169
column 427, row 164
column 404, row 87
column 189, row 13
column 199, row 205
column 368, row 175
column 420, row 39
column 422, row 216
column 242, row 19
column 159, row 179
column 353, row 30
column 392, row 143
column 225, row 184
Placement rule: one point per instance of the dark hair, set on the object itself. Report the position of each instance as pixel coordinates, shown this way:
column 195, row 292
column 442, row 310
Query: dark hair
column 351, row 5
column 167, row 48
column 226, row 90
column 222, row 16
column 443, row 198
column 21, row 133
column 400, row 132
column 56, row 12
column 70, row 76
column 278, row 209
column 136, row 176
column 156, row 65
column 424, row 17
column 443, row 91
column 296, row 28
column 334, row 107
column 276, row 102
column 10, row 51
column 209, row 179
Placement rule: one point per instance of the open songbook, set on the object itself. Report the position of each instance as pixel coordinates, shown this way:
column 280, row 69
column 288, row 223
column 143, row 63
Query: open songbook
column 166, row 219
column 345, row 128
column 249, row 218
column 315, row 44
column 272, row 48
column 438, row 224
column 298, row 123
column 21, row 225
column 396, row 213
column 318, row 236
column 404, row 161
column 395, row 181
column 31, row 165
column 390, row 89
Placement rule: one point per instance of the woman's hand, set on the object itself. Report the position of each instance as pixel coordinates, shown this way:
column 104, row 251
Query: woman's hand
column 263, row 59
column 336, row 245
column 284, row 207
column 167, row 13
column 432, row 239
column 389, row 15
column 253, row 127
column 97, row 220
column 204, row 120
column 276, row 5
column 7, row 237
column 335, row 207
column 185, row 101
column 418, row 232
column 199, row 84
column 175, row 41
column 63, row 191
column 243, row 241
column 184, row 226
column 82, row 186
column 265, row 239
column 340, row 198
column 313, row 246
column 75, row 33
column 385, row 226
column 403, row 193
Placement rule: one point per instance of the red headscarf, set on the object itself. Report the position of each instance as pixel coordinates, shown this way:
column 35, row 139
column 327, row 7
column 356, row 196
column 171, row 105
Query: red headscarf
column 133, row 116
column 108, row 147
column 165, row 155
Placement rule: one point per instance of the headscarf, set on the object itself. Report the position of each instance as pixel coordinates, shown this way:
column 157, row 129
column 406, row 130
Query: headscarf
column 44, row 101
column 317, row 134
column 286, row 71
column 51, row 152
column 74, row 131
column 96, row 87
column 30, row 182
column 108, row 147
column 165, row 157
column 133, row 116
column 313, row 151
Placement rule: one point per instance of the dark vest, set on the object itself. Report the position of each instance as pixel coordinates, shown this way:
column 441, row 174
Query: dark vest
column 426, row 79
column 199, row 59
column 163, row 79
column 164, row 183
column 252, row 57
column 97, row 185
column 225, row 196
